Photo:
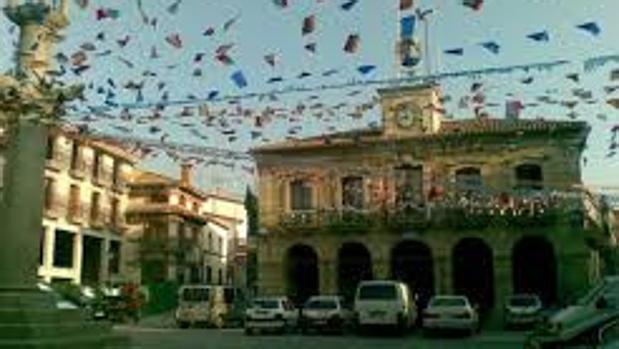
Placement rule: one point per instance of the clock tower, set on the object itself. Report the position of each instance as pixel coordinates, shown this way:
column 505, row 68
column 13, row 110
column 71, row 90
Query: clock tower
column 411, row 110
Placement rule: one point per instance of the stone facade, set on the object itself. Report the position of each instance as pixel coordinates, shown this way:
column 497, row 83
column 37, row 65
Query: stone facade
column 470, row 206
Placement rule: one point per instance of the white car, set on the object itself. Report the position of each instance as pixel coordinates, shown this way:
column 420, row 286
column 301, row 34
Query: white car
column 522, row 310
column 384, row 303
column 271, row 314
column 325, row 313
column 446, row 312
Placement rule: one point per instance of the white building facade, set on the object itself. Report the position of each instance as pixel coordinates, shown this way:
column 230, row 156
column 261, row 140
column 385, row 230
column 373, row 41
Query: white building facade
column 86, row 194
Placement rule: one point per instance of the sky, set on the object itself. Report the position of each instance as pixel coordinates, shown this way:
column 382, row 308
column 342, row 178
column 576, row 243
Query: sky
column 261, row 28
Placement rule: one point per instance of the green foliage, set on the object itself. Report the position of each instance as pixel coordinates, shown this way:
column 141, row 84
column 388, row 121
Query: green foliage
column 161, row 297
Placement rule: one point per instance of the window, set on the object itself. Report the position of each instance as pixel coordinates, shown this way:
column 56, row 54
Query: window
column 220, row 244
column 116, row 180
column 196, row 208
column 115, row 215
column 114, row 255
column 63, row 249
column 74, row 201
column 409, row 185
column 51, row 148
column 300, row 195
column 378, row 292
column 196, row 294
column 352, row 192
column 96, row 163
column 468, row 180
column 42, row 246
column 529, row 177
column 210, row 242
column 159, row 198
column 220, row 276
column 75, row 156
column 95, row 206
column 50, row 190
column 209, row 274
column 182, row 201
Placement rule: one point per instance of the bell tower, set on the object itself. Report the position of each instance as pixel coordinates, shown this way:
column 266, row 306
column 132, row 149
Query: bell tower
column 411, row 110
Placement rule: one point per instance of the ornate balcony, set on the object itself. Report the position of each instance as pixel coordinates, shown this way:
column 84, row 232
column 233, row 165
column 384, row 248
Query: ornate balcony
column 459, row 212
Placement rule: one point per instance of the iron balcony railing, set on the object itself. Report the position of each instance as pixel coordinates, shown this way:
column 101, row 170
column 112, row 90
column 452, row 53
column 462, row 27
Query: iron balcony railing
column 457, row 212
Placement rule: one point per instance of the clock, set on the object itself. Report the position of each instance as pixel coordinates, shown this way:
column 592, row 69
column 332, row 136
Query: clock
column 408, row 115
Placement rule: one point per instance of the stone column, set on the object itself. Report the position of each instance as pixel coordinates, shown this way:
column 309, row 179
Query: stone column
column 327, row 275
column 22, row 213
column 78, row 254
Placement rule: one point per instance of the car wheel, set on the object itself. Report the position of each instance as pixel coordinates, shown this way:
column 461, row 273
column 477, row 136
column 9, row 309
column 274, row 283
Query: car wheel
column 183, row 324
column 249, row 331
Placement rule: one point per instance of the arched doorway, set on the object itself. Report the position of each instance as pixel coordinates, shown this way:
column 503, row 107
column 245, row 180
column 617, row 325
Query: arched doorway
column 534, row 268
column 473, row 272
column 354, row 264
column 301, row 273
column 411, row 262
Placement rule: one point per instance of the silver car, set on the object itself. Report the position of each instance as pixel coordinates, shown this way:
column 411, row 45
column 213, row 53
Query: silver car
column 325, row 313
column 271, row 314
column 522, row 310
column 447, row 312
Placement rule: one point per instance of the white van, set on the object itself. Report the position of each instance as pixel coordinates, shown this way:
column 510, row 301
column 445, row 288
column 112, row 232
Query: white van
column 384, row 303
column 201, row 305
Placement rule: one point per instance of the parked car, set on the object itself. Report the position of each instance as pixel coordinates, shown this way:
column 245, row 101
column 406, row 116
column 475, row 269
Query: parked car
column 601, row 333
column 522, row 310
column 325, row 313
column 61, row 302
column 380, row 303
column 201, row 305
column 271, row 314
column 598, row 305
column 450, row 312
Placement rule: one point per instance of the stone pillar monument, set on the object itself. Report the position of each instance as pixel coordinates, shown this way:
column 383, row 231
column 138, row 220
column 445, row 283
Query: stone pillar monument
column 29, row 317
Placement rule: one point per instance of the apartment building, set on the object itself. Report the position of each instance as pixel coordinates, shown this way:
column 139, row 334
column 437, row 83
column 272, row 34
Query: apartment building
column 86, row 194
column 172, row 238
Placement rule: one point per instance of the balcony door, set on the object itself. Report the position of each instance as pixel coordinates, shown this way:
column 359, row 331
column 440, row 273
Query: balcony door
column 300, row 195
column 409, row 186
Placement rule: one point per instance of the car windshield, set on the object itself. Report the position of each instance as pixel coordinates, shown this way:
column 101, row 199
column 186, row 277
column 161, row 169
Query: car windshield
column 593, row 294
column 321, row 304
column 448, row 302
column 195, row 294
column 523, row 301
column 266, row 304
column 378, row 292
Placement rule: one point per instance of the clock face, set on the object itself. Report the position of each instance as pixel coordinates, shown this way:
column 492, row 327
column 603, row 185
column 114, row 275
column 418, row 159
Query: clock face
column 408, row 115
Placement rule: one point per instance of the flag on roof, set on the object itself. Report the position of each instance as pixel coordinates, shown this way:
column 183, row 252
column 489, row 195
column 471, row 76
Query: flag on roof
column 173, row 8
column 473, row 4
column 209, row 31
column 407, row 26
column 366, row 69
column 239, row 79
column 406, row 4
column 352, row 43
column 311, row 47
column 455, row 51
column 349, row 4
column 539, row 36
column 591, row 27
column 229, row 23
column 270, row 59
column 491, row 46
column 309, row 24
column 281, row 3
column 212, row 95
column 174, row 40
column 275, row 79
column 513, row 109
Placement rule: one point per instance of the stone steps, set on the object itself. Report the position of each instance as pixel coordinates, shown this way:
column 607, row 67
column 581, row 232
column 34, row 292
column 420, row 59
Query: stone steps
column 102, row 341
